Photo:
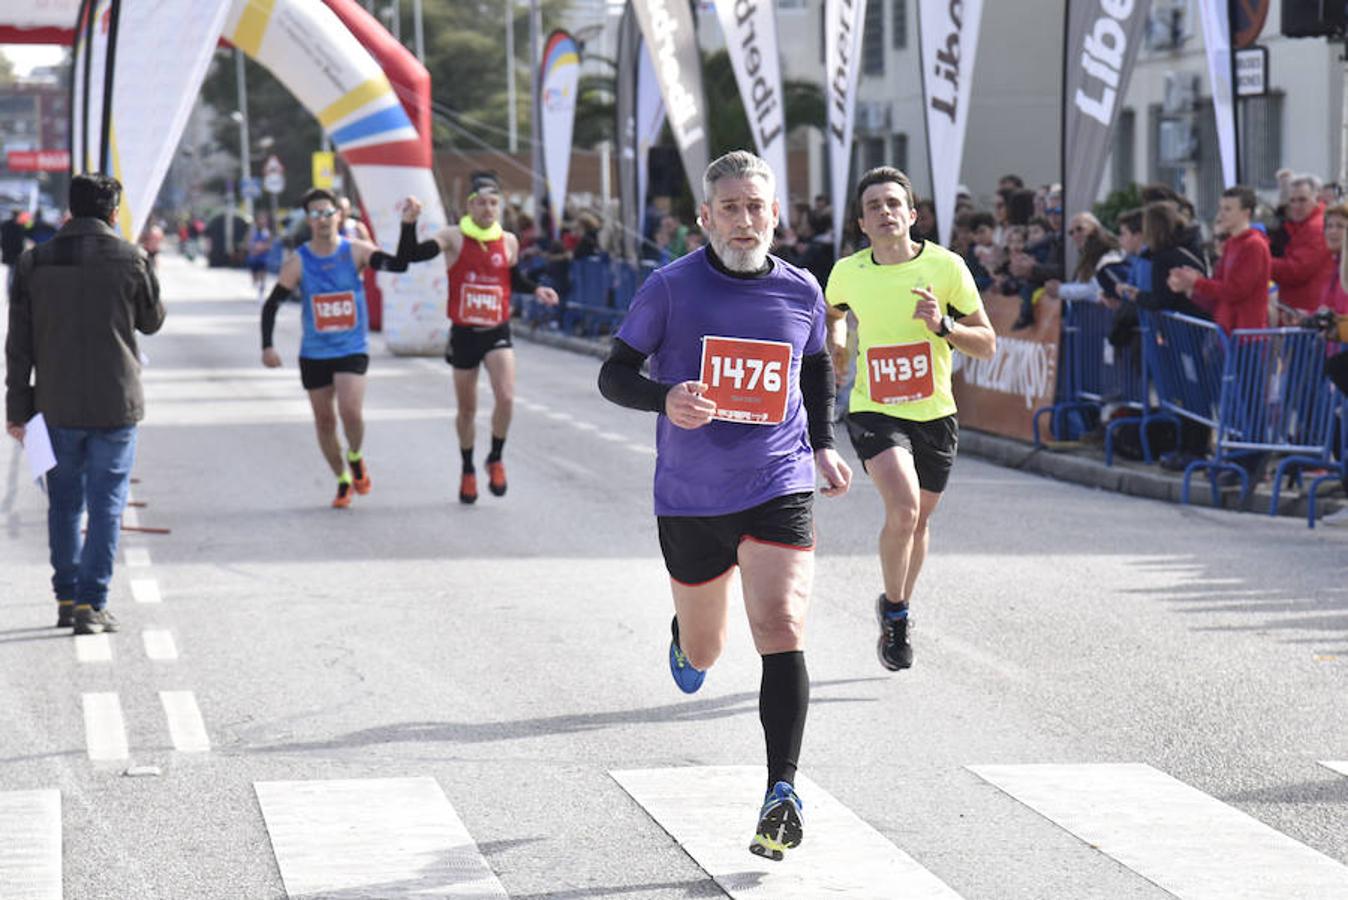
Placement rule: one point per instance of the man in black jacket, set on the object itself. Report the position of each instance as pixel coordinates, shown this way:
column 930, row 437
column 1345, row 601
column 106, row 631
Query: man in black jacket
column 78, row 301
column 12, row 237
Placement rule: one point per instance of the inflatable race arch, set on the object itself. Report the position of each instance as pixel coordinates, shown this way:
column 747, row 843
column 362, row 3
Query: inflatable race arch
column 139, row 65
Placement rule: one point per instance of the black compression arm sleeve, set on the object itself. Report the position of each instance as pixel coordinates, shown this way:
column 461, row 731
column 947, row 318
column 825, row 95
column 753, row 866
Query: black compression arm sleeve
column 621, row 381
column 816, row 391
column 278, row 293
column 520, row 284
column 382, row 262
column 410, row 250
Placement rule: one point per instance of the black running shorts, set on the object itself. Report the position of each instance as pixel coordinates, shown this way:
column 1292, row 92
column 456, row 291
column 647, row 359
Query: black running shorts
column 317, row 373
column 699, row 549
column 933, row 444
column 468, row 345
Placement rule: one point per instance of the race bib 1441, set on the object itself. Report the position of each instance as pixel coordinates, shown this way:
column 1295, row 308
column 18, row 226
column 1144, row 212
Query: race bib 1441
column 480, row 304
column 899, row 373
column 746, row 379
column 334, row 312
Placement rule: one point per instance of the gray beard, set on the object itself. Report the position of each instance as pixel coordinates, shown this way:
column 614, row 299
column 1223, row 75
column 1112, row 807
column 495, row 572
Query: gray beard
column 739, row 260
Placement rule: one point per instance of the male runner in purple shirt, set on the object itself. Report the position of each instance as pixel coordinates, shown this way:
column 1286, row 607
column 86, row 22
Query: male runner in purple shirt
column 743, row 381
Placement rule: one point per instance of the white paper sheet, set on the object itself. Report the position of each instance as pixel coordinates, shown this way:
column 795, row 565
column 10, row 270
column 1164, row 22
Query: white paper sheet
column 37, row 448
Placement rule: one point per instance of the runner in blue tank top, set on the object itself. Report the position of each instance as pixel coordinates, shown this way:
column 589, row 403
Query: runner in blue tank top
column 334, row 351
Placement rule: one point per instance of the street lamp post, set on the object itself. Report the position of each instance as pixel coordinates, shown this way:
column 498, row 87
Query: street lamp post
column 419, row 40
column 511, row 103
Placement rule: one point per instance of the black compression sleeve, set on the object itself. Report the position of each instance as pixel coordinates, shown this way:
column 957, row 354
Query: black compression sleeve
column 382, row 262
column 816, row 391
column 278, row 293
column 519, row 283
column 621, row 381
column 410, row 249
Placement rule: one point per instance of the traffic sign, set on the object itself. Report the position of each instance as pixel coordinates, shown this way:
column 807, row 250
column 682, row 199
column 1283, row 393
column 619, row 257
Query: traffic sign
column 251, row 188
column 273, row 182
column 273, row 166
column 325, row 169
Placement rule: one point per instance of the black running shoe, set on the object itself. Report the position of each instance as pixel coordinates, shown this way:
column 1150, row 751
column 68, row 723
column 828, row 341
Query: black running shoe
column 894, row 649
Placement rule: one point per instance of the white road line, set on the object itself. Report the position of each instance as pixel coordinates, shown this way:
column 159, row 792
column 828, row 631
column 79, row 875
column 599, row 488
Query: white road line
column 30, row 845
column 93, row 648
column 104, row 729
column 556, row 416
column 186, row 727
column 136, row 557
column 145, row 590
column 613, row 436
column 584, row 426
column 382, row 837
column 1174, row 835
column 130, row 515
column 159, row 644
column 710, row 812
column 1337, row 765
column 642, row 448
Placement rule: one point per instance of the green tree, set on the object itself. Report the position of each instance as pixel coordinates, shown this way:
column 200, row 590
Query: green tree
column 728, row 123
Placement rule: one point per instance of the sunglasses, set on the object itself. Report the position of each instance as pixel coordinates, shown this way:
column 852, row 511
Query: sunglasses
column 1054, row 210
column 322, row 213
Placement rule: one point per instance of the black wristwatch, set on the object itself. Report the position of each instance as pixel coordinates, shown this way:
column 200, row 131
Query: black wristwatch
column 947, row 326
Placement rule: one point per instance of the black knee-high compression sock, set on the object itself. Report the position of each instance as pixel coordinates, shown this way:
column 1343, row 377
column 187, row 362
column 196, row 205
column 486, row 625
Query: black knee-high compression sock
column 783, row 699
column 497, row 448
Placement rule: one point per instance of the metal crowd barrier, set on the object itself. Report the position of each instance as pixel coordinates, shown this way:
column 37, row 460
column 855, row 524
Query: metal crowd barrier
column 1096, row 373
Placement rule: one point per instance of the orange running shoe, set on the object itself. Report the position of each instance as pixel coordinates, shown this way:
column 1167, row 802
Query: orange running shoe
column 343, row 498
column 496, row 480
column 468, row 488
column 360, row 474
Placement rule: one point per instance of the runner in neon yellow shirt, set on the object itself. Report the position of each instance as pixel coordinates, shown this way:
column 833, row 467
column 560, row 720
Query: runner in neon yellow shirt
column 914, row 301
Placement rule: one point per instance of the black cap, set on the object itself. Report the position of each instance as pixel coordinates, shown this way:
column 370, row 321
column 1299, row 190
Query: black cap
column 484, row 183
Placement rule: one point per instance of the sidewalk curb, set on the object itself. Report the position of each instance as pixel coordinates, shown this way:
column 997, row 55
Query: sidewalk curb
column 1076, row 465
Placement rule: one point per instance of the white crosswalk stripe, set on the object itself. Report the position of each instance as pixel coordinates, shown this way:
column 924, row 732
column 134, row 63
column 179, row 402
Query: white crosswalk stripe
column 159, row 644
column 710, row 811
column 390, row 838
column 93, row 648
column 1340, row 766
column 145, row 590
column 136, row 557
column 104, row 727
column 186, row 727
column 1174, row 835
column 30, row 845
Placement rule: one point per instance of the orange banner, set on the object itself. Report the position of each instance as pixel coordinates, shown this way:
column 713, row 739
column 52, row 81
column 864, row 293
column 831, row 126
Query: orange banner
column 1001, row 394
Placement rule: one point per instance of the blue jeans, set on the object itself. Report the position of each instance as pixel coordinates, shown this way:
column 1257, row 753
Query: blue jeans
column 93, row 470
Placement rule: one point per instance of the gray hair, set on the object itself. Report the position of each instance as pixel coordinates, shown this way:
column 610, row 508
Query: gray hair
column 1310, row 181
column 737, row 164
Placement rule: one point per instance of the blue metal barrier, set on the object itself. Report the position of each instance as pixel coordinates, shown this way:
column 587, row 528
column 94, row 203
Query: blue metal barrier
column 1273, row 398
column 588, row 303
column 1096, row 373
column 1337, row 473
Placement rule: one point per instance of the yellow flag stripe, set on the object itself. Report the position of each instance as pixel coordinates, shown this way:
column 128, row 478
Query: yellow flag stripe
column 253, row 25
column 124, row 216
column 354, row 99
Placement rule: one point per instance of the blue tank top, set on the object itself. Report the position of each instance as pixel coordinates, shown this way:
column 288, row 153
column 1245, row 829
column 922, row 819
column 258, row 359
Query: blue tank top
column 336, row 321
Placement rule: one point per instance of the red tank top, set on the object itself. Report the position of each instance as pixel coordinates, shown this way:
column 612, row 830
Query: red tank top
column 479, row 284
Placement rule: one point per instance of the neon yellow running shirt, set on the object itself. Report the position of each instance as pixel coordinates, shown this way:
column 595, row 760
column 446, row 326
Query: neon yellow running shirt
column 903, row 369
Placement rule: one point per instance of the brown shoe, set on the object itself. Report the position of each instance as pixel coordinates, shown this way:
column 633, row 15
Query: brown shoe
column 94, row 621
column 65, row 613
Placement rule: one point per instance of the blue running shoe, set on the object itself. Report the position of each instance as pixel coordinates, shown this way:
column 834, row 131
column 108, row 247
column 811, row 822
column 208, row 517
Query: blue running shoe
column 688, row 678
column 779, row 824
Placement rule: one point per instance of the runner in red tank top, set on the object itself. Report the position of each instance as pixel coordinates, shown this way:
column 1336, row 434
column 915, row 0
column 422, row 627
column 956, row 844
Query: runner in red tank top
column 481, row 258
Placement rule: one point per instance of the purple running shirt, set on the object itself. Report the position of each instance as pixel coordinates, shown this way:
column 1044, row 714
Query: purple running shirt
column 726, row 467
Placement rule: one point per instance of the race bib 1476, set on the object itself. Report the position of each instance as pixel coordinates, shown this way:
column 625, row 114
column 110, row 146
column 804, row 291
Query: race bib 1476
column 746, row 379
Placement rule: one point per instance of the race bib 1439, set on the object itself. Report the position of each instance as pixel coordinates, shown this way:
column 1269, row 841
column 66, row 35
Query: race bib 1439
column 899, row 373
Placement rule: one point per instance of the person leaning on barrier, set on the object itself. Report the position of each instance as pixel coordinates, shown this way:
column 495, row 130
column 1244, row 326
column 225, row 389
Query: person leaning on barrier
column 1306, row 264
column 1237, row 293
column 1099, row 258
column 1169, row 243
column 78, row 301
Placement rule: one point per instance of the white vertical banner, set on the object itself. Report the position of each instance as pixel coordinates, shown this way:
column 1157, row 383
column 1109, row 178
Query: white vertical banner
column 559, row 77
column 670, row 33
column 949, row 42
column 650, row 121
column 1217, row 42
column 750, row 28
column 843, row 22
column 150, row 58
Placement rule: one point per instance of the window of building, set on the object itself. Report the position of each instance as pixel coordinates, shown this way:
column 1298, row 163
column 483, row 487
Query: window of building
column 899, row 14
column 1160, row 168
column 873, row 40
column 873, row 153
column 1124, row 162
column 900, row 156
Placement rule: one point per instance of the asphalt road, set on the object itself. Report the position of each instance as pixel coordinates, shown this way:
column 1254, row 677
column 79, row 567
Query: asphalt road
column 514, row 651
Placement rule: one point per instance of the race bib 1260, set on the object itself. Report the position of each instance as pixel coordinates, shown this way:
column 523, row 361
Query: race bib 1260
column 480, row 304
column 746, row 379
column 334, row 312
column 899, row 373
